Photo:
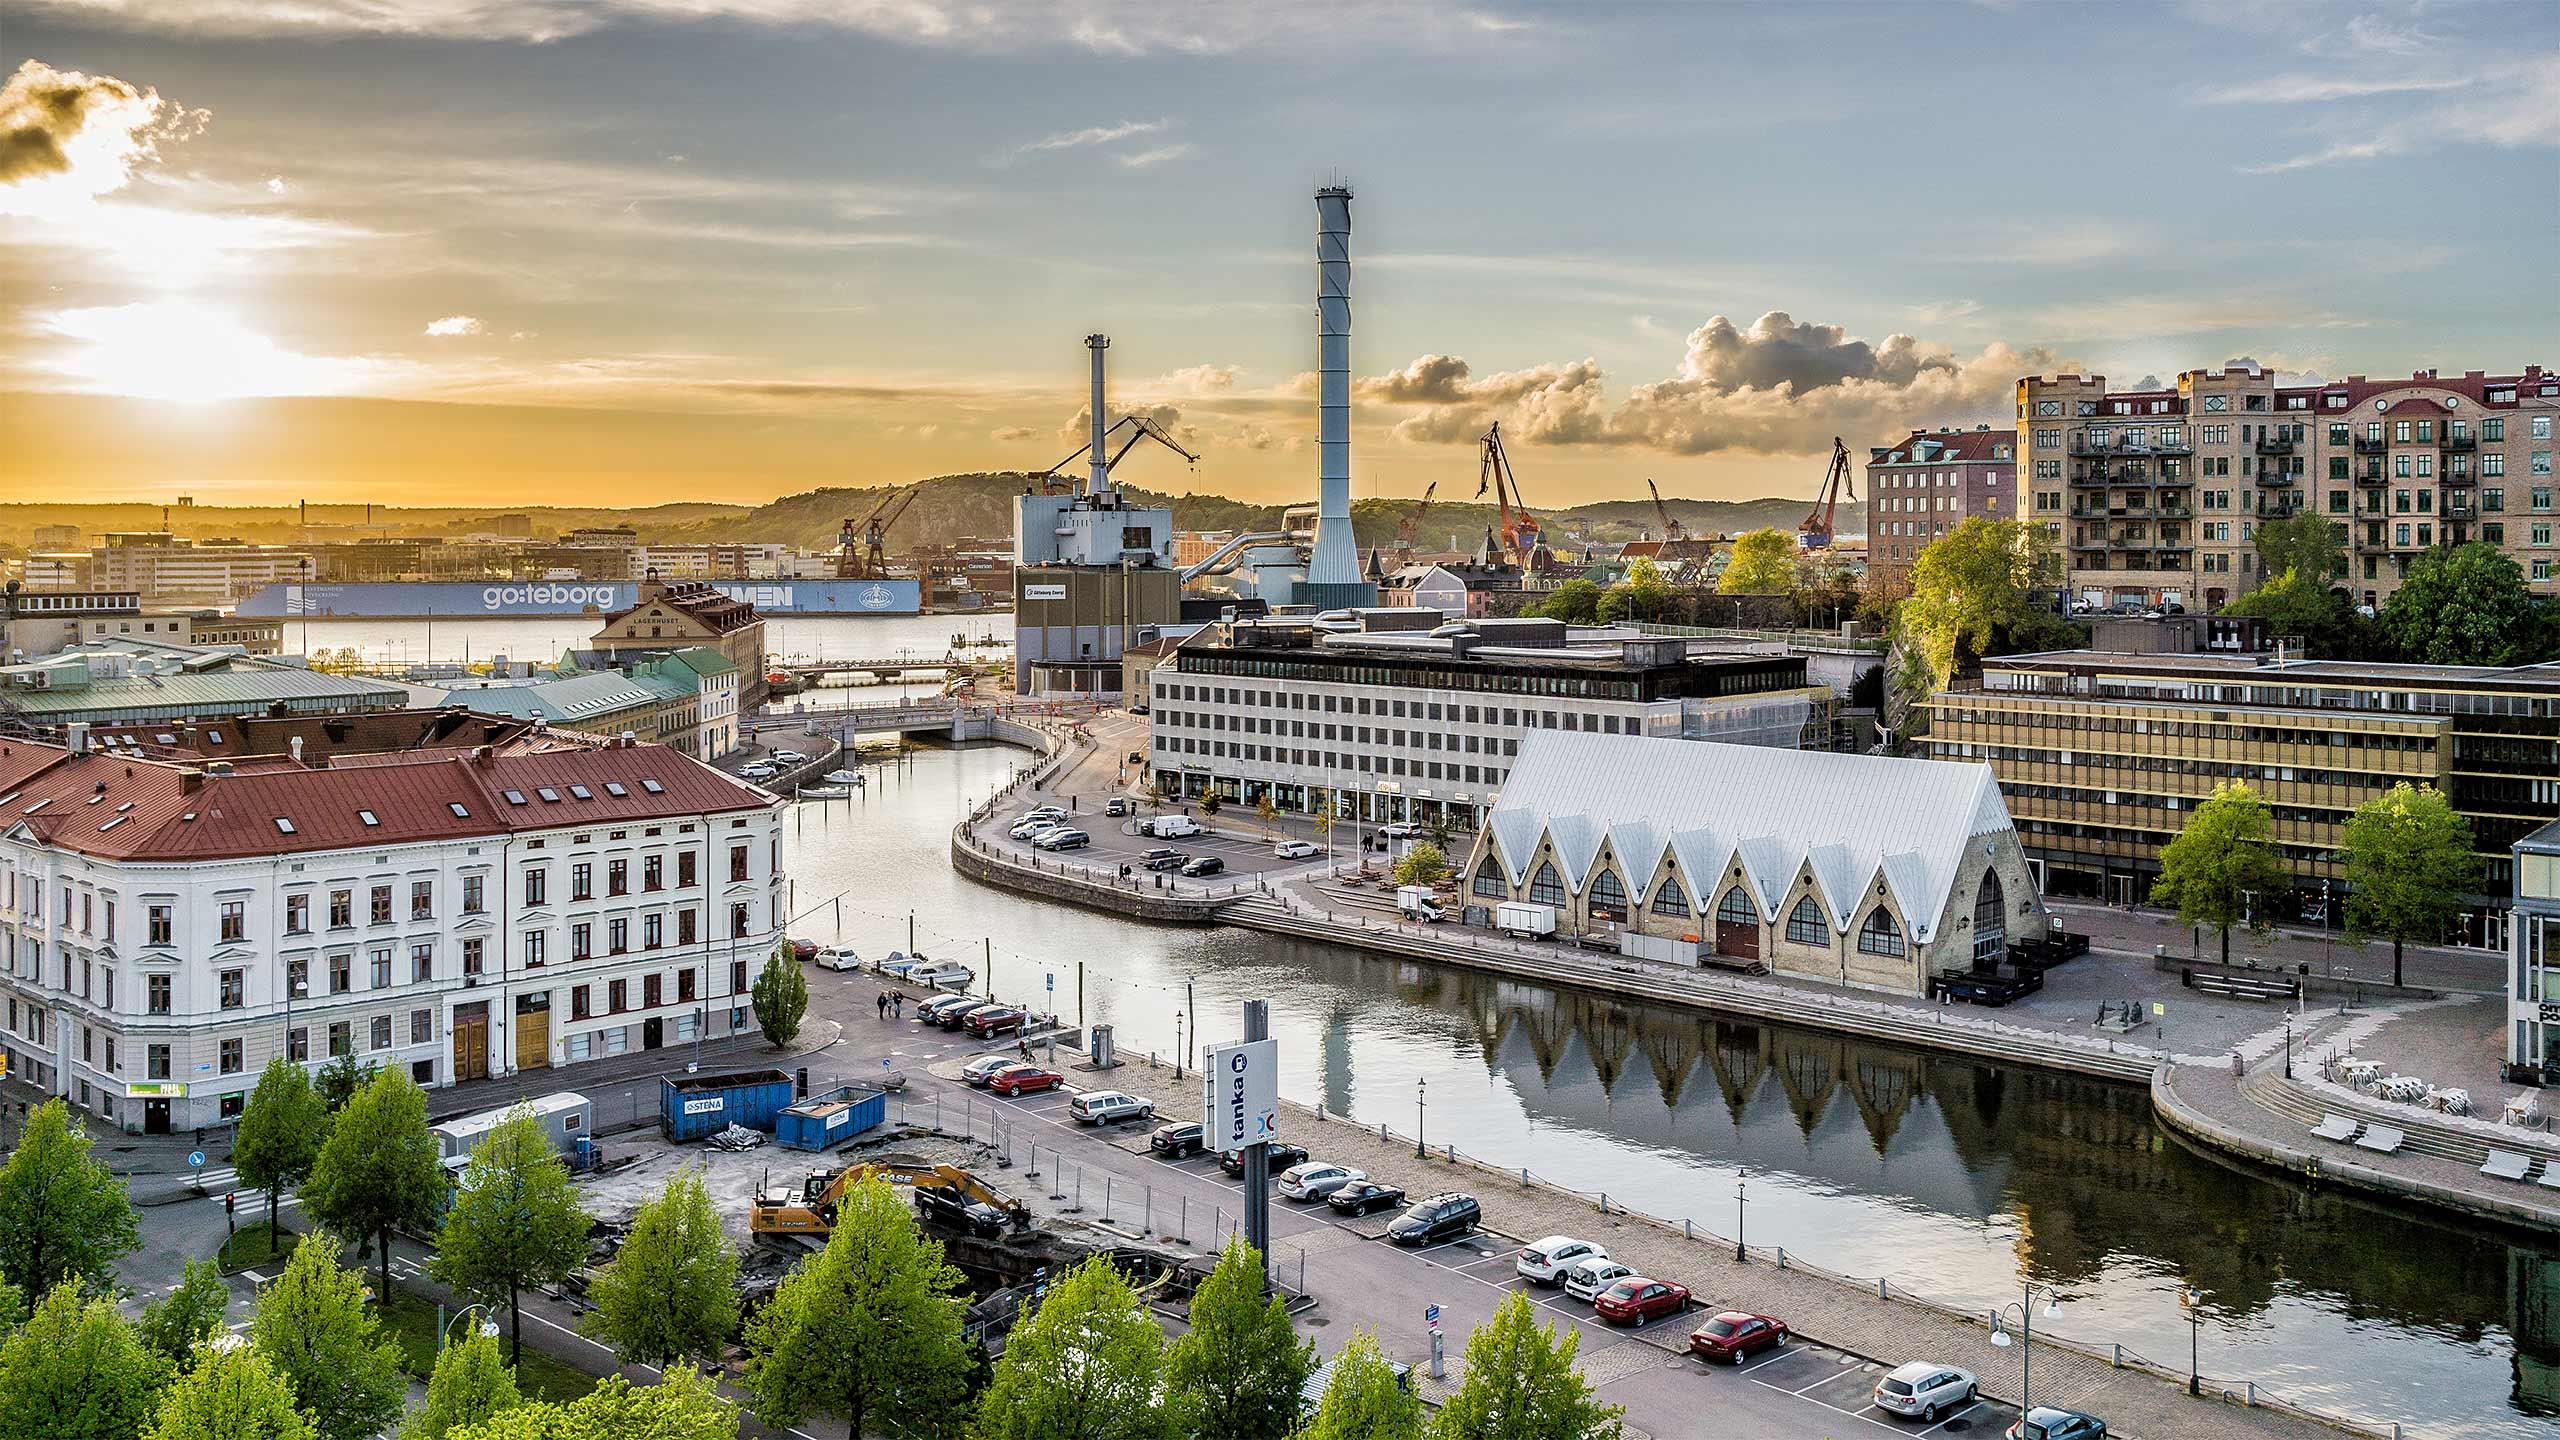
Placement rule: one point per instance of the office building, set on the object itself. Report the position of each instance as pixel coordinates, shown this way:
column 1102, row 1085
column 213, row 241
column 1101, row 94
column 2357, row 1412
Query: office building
column 1926, row 484
column 157, row 563
column 2533, row 944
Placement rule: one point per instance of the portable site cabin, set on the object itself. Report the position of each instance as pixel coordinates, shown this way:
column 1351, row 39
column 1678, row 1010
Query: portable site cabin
column 565, row 1116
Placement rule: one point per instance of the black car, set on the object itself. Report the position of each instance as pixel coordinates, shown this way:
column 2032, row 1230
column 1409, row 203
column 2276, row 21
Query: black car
column 940, row 1205
column 1442, row 1217
column 1203, row 865
column 1164, row 859
column 1282, row 1156
column 1177, row 1140
column 1362, row 1196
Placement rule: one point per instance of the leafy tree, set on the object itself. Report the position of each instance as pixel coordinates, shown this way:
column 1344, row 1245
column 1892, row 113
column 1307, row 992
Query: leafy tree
column 379, row 1170
column 2312, row 544
column 2297, row 603
column 1975, row 592
column 2409, row 864
column 515, row 1222
column 866, row 1330
column 63, row 1214
column 670, row 1292
column 13, row 1308
column 232, row 1393
column 173, row 1324
column 1644, row 595
column 1238, row 1370
column 471, row 1383
column 1424, row 864
column 77, row 1371
column 1087, row 1365
column 1763, row 563
column 2466, row 606
column 683, row 1405
column 1363, row 1400
column 781, row 998
column 280, row 1134
column 342, row 1079
column 1210, row 804
column 2223, row 858
column 1265, row 811
column 312, row 1325
column 1575, row 602
column 1521, row 1385
column 1881, row 593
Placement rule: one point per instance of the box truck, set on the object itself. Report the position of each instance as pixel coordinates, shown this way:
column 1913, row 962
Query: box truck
column 1170, row 827
column 1418, row 903
column 1526, row 922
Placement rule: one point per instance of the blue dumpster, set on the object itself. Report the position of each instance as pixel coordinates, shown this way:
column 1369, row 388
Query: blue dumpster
column 692, row 1106
column 825, row 1121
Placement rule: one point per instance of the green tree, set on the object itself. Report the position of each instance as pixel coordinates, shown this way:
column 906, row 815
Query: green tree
column 1575, row 602
column 378, row 1171
column 342, row 1079
column 232, row 1393
column 670, row 1292
column 471, row 1383
column 683, row 1405
column 1210, row 804
column 1424, row 864
column 1237, row 1371
column 312, row 1325
column 515, row 1222
column 1264, row 810
column 1087, row 1365
column 1644, row 595
column 2409, row 864
column 77, row 1371
column 280, row 1134
column 1363, row 1400
column 13, row 1308
column 781, row 998
column 2312, row 544
column 866, row 1330
column 2465, row 606
column 63, row 1214
column 2296, row 603
column 1977, row 590
column 1763, row 563
column 1521, row 1385
column 2222, row 869
column 172, row 1324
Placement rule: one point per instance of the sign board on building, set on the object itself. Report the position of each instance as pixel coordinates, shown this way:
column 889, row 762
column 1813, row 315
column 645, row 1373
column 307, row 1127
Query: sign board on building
column 1240, row 1094
column 1044, row 592
column 707, row 1105
column 156, row 1090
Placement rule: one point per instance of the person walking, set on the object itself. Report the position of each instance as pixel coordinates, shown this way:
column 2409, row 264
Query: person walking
column 880, row 1004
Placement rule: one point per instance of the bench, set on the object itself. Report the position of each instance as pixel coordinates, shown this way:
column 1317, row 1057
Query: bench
column 2550, row 1176
column 2335, row 1127
column 2241, row 987
column 2506, row 1165
column 2380, row 1139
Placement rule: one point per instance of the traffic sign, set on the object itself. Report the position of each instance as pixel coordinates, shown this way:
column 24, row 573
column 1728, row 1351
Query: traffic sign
column 1431, row 1316
column 195, row 1159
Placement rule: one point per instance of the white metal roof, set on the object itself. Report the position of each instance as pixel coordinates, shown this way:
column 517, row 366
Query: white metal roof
column 1849, row 819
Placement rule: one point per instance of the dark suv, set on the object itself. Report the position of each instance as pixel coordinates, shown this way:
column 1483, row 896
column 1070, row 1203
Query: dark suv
column 1442, row 1217
column 941, row 1205
column 1177, row 1140
column 1164, row 858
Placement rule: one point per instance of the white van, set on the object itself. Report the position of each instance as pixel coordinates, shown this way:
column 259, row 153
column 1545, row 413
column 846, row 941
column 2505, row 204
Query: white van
column 1418, row 903
column 1170, row 827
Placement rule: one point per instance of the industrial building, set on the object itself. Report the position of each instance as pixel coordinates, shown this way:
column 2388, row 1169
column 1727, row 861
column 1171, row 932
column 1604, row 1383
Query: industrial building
column 108, row 681
column 1860, row 870
column 1395, row 715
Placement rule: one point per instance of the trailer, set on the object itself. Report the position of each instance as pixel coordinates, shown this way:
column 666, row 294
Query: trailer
column 693, row 1106
column 1523, row 921
column 565, row 1116
column 822, row 1122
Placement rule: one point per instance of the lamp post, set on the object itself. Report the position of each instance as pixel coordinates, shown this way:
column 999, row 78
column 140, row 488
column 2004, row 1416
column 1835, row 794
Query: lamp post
column 2026, row 1311
column 2193, row 1304
column 1739, row 1254
column 1177, row 1045
column 444, row 1331
column 1418, row 1083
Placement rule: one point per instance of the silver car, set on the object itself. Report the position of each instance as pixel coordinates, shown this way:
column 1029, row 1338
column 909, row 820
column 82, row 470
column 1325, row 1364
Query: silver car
column 1316, row 1179
column 1924, row 1390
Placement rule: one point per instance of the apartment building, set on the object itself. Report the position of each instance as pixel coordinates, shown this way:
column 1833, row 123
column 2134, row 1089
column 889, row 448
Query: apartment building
column 1926, row 484
column 155, row 562
column 169, row 927
column 1406, row 717
column 2103, row 755
column 2153, row 497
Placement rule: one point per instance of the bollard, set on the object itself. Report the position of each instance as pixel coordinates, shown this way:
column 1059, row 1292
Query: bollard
column 1686, row 1233
column 1034, row 1172
column 1880, row 1289
column 1078, row 1207
column 1106, row 1199
column 1782, row 1257
column 1524, row 1177
column 1604, row 1202
column 1150, row 1227
column 1302, row 1270
column 1182, row 1229
column 2119, row 1360
column 1057, row 1176
column 2252, row 1398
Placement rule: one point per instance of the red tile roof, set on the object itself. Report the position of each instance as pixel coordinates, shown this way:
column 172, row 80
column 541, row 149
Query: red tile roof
column 1965, row 447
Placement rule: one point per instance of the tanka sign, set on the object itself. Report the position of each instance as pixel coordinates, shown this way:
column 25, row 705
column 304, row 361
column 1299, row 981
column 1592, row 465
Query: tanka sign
column 1239, row 1094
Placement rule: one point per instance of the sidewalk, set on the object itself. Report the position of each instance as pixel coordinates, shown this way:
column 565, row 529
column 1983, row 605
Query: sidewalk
column 2434, row 967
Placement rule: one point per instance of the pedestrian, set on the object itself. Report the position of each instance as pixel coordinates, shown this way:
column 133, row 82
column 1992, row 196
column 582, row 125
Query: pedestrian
column 880, row 1003
column 897, row 1007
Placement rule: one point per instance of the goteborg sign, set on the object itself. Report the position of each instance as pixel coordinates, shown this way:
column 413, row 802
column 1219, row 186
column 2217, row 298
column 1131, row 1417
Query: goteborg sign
column 1240, row 1094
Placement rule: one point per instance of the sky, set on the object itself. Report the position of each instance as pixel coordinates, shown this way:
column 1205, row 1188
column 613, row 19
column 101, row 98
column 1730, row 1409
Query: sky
column 628, row 251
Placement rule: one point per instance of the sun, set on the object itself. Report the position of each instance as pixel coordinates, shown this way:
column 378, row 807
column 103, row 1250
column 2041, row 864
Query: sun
column 182, row 350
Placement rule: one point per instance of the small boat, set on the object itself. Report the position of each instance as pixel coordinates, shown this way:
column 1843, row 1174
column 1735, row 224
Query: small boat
column 943, row 972
column 844, row 777
column 822, row 792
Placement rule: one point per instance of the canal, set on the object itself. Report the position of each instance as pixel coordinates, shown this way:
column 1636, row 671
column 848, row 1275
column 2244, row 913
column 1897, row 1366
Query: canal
column 1949, row 1177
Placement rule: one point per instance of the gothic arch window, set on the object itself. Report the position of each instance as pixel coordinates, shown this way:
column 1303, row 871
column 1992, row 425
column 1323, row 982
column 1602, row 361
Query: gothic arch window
column 1669, row 901
column 1545, row 887
column 1807, row 925
column 1608, row 896
column 1880, row 935
column 1488, row 881
column 1736, row 909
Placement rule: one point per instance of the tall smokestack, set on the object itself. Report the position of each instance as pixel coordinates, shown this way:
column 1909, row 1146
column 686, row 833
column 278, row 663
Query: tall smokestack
column 1099, row 479
column 1333, row 570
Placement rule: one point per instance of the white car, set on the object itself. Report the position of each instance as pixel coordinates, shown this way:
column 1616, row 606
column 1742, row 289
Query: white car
column 1926, row 1390
column 1316, row 1179
column 760, row 771
column 1544, row 1262
column 1295, row 849
column 1025, row 829
column 1584, row 1279
column 836, row 957
column 1045, row 812
column 1401, row 830
column 787, row 757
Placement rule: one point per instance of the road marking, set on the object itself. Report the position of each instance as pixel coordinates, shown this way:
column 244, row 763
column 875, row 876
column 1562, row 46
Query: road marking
column 1970, row 1406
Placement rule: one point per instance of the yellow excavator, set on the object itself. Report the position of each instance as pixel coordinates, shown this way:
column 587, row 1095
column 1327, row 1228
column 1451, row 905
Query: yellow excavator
column 946, row 1194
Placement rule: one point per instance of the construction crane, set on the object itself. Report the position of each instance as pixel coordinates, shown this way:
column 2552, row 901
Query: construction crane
column 1520, row 535
column 1412, row 521
column 1814, row 533
column 1141, row 427
column 811, row 1210
column 862, row 548
column 1670, row 528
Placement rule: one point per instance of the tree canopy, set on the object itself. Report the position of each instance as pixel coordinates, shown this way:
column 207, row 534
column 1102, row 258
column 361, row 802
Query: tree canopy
column 378, row 1171
column 1980, row 589
column 2295, row 602
column 683, row 1405
column 471, row 1382
column 232, row 1393
column 312, row 1324
column 78, row 1371
column 1424, row 864
column 1363, row 1399
column 2409, row 867
column 1521, row 1385
column 2466, row 606
column 670, row 1293
column 63, row 1213
column 2221, row 869
column 281, row 1132
column 781, row 998
column 174, row 1324
column 1763, row 563
column 1086, row 1365
column 1238, row 1370
column 2304, row 541
column 1575, row 602
column 515, row 1222
column 1644, row 595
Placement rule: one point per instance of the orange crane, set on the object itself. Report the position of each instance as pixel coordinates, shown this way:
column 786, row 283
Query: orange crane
column 1814, row 533
column 1520, row 534
column 1670, row 528
column 1412, row 520
column 1051, row 482
column 862, row 545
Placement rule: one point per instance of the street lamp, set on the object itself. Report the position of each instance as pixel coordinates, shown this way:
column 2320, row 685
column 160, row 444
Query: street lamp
column 2026, row 1311
column 1177, row 1045
column 1418, row 1083
column 488, row 1324
column 1740, row 1256
column 2193, row 1304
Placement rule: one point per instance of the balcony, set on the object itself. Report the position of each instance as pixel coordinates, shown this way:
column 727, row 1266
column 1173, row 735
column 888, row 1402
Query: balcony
column 2094, row 478
column 2174, row 512
column 2374, row 480
column 2458, row 479
column 2274, row 445
column 2172, row 447
column 2461, row 444
column 2371, row 447
column 2083, row 445
column 2273, row 479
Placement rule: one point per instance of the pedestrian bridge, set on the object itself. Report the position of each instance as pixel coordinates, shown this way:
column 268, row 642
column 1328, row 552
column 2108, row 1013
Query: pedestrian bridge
column 959, row 719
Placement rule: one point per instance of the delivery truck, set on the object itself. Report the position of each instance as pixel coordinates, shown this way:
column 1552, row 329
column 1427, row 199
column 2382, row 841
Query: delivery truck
column 1523, row 921
column 1416, row 902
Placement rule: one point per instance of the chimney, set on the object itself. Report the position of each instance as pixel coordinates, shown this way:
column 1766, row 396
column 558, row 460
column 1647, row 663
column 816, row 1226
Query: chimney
column 482, row 754
column 1333, row 567
column 294, row 744
column 75, row 737
column 217, row 768
column 190, row 780
column 1098, row 476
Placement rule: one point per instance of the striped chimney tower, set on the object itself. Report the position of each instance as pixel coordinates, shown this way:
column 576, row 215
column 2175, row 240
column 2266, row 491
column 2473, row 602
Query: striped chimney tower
column 1333, row 570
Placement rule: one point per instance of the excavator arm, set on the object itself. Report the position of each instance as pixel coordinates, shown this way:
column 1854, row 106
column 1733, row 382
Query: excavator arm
column 812, row 1209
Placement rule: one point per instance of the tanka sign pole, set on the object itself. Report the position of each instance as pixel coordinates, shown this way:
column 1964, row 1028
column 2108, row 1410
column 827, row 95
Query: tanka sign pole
column 1239, row 1106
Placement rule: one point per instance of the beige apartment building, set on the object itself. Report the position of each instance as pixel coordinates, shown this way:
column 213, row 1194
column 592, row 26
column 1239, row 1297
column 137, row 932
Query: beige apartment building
column 2154, row 496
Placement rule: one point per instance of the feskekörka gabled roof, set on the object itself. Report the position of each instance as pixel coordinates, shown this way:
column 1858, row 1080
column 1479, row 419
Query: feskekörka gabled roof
column 1848, row 819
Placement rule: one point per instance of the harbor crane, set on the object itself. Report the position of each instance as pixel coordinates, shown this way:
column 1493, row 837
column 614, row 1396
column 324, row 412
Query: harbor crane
column 1670, row 528
column 1140, row 427
column 1814, row 532
column 1411, row 522
column 1519, row 529
column 862, row 545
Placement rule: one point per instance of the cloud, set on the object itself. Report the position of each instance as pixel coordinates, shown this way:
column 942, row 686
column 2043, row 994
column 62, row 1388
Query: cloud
column 67, row 138
column 1007, row 434
column 1150, row 158
column 1195, row 380
column 1078, row 430
column 1938, row 312
column 1092, row 135
column 177, row 350
column 452, row 325
column 2387, row 90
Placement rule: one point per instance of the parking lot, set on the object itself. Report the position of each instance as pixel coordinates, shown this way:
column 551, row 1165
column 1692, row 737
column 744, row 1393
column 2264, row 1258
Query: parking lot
column 1117, row 843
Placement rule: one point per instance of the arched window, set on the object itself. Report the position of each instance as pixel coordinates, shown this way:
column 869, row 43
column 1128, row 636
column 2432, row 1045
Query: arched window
column 1736, row 909
column 1669, row 901
column 1545, row 888
column 1880, row 936
column 1608, row 896
column 1806, row 924
column 1990, row 919
column 1489, row 880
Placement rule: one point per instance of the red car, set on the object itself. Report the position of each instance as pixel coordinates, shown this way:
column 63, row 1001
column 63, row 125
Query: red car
column 1023, row 1079
column 1636, row 1299
column 1735, row 1334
